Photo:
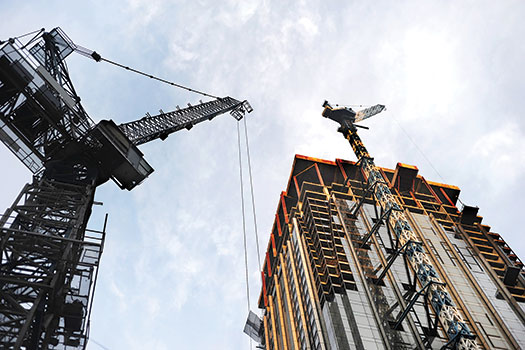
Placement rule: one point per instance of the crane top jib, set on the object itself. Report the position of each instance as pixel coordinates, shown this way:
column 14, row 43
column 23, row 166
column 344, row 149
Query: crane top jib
column 347, row 117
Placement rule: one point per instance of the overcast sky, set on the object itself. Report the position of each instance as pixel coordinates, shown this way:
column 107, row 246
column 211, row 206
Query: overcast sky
column 172, row 273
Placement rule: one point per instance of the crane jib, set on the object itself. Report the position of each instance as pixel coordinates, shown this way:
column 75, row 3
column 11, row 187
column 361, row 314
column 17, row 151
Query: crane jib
column 49, row 257
column 160, row 126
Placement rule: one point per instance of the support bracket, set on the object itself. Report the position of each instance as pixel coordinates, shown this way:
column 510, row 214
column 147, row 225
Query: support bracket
column 391, row 260
column 384, row 216
column 403, row 314
column 368, row 188
column 453, row 342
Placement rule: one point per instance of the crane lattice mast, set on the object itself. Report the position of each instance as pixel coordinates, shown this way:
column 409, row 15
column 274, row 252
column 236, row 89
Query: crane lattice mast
column 432, row 287
column 49, row 258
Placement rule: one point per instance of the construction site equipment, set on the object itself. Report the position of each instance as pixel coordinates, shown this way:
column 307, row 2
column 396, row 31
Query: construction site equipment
column 432, row 288
column 49, row 258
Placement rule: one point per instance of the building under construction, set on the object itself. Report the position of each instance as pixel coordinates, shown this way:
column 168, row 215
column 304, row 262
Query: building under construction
column 364, row 257
column 359, row 256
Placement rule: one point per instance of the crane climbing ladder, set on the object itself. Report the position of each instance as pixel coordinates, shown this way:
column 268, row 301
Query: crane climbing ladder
column 431, row 286
column 49, row 258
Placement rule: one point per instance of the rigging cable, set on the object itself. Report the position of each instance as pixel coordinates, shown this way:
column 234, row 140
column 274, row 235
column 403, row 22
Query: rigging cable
column 96, row 342
column 94, row 55
column 253, row 197
column 38, row 31
column 152, row 76
column 37, row 35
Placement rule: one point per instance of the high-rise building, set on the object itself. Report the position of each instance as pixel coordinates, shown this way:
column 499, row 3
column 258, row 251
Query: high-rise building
column 339, row 275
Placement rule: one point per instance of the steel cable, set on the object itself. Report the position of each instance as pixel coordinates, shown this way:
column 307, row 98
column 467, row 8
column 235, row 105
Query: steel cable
column 253, row 196
column 157, row 78
column 38, row 31
column 243, row 218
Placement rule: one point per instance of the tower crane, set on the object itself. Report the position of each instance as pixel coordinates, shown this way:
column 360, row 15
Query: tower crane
column 432, row 287
column 49, row 258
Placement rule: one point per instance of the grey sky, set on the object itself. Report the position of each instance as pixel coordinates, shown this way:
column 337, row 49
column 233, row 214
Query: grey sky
column 172, row 276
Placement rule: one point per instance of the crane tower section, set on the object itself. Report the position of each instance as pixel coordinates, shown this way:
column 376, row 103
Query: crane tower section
column 408, row 243
column 40, row 113
column 49, row 258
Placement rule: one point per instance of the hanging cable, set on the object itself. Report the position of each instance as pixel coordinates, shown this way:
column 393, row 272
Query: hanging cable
column 243, row 219
column 253, row 196
column 30, row 33
column 37, row 35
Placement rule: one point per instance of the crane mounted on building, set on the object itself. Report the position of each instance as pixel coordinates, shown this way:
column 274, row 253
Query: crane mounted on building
column 432, row 288
column 49, row 258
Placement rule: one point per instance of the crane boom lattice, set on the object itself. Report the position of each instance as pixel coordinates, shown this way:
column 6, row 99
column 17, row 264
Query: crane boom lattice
column 160, row 126
column 49, row 259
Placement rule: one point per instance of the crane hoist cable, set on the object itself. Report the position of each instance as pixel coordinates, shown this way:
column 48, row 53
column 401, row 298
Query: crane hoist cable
column 243, row 218
column 243, row 205
column 246, row 269
column 253, row 196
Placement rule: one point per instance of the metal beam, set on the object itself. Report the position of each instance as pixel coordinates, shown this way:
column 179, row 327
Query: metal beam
column 162, row 125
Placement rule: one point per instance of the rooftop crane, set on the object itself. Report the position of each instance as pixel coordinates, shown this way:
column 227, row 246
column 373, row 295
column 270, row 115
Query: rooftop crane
column 49, row 259
column 432, row 287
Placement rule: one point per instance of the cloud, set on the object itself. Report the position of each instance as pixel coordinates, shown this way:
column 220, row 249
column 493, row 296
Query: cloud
column 452, row 77
column 120, row 296
column 502, row 150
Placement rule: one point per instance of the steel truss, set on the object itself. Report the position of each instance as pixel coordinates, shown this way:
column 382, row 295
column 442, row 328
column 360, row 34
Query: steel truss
column 448, row 314
column 49, row 262
column 396, row 249
column 160, row 126
column 39, row 110
column 435, row 290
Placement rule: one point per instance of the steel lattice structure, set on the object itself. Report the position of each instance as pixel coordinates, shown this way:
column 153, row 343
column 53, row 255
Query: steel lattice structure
column 460, row 335
column 160, row 126
column 49, row 259
column 49, row 265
